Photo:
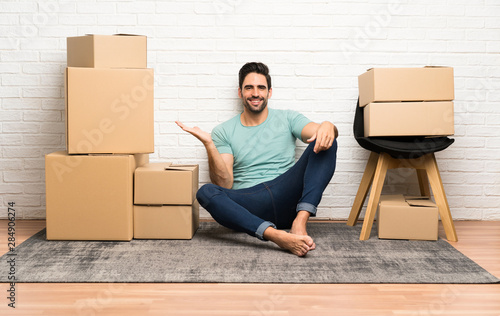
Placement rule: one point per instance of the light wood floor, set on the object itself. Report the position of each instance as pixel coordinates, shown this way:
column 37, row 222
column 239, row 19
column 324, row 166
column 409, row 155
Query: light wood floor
column 478, row 240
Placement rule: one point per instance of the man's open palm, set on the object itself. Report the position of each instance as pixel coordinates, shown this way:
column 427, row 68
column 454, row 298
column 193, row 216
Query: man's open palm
column 203, row 136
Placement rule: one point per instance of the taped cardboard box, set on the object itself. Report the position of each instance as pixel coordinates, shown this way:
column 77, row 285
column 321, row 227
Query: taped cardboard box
column 409, row 119
column 109, row 111
column 401, row 217
column 90, row 197
column 406, row 84
column 166, row 221
column 107, row 51
column 165, row 183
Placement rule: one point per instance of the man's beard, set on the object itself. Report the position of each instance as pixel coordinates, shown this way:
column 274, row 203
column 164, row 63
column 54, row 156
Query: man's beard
column 248, row 105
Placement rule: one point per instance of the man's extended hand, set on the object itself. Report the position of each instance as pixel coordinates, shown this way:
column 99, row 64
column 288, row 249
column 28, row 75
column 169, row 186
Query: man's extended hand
column 203, row 136
column 324, row 136
column 220, row 165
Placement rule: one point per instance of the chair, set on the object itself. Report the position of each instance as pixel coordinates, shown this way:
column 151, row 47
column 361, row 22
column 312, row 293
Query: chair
column 398, row 152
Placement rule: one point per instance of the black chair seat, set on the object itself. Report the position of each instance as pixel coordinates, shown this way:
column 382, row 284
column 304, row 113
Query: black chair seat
column 401, row 147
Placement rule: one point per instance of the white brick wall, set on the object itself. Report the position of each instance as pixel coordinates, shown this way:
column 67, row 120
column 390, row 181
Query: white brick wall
column 315, row 50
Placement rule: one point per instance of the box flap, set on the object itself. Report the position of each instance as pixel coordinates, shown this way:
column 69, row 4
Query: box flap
column 437, row 67
column 422, row 201
column 154, row 166
column 107, row 155
column 119, row 34
column 125, row 34
column 417, row 197
column 181, row 167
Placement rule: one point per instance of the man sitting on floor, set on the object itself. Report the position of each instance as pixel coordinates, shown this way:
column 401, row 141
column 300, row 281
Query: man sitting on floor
column 257, row 186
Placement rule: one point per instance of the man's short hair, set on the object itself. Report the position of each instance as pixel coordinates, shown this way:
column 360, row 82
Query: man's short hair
column 256, row 67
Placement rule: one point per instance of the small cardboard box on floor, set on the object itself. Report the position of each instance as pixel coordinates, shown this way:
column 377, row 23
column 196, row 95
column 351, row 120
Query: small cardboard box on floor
column 109, row 111
column 406, row 84
column 165, row 201
column 90, row 197
column 107, row 51
column 409, row 119
column 406, row 217
column 166, row 221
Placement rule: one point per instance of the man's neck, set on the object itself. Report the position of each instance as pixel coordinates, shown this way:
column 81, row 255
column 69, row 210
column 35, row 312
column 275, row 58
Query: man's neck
column 248, row 118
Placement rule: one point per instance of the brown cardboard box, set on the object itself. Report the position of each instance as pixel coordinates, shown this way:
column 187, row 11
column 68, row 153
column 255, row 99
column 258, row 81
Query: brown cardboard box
column 408, row 217
column 406, row 84
column 409, row 119
column 166, row 221
column 107, row 51
column 165, row 183
column 89, row 197
column 109, row 111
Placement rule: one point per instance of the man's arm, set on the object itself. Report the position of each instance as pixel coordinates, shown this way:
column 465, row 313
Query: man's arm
column 220, row 165
column 324, row 134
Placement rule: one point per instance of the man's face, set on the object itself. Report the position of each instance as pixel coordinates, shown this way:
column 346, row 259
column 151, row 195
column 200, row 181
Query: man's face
column 254, row 92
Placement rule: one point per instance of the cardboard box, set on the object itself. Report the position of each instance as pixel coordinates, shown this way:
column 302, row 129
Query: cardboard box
column 109, row 111
column 166, row 221
column 89, row 197
column 406, row 84
column 165, row 183
column 107, row 51
column 409, row 119
column 408, row 217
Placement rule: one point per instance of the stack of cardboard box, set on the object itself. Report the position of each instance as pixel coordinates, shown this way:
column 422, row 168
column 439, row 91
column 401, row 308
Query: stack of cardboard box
column 109, row 133
column 109, row 95
column 165, row 202
column 407, row 101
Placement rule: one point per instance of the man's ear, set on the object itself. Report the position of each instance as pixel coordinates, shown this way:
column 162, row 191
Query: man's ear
column 270, row 93
column 239, row 93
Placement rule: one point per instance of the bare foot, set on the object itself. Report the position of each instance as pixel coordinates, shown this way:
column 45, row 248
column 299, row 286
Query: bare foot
column 299, row 226
column 302, row 232
column 297, row 244
column 298, row 229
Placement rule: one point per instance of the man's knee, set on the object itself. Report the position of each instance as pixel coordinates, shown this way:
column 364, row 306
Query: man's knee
column 332, row 154
column 334, row 146
column 206, row 193
column 332, row 151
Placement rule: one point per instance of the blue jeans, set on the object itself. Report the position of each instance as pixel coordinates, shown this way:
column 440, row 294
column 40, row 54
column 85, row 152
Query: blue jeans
column 274, row 203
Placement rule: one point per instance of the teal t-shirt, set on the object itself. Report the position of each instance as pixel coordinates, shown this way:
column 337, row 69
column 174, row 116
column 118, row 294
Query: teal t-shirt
column 262, row 152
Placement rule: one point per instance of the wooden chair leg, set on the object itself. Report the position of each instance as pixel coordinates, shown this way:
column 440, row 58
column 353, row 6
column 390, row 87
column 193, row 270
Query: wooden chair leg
column 364, row 186
column 378, row 183
column 440, row 196
column 423, row 182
